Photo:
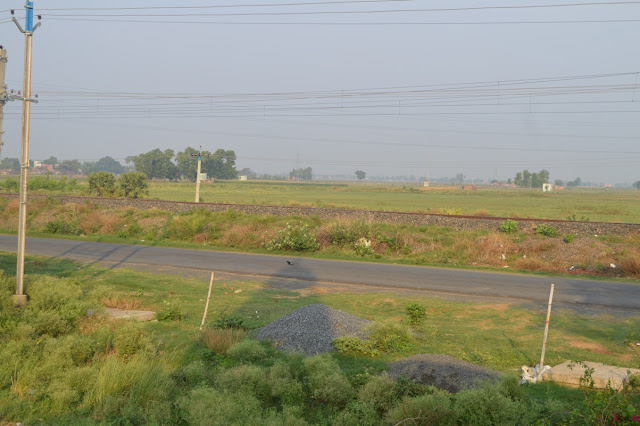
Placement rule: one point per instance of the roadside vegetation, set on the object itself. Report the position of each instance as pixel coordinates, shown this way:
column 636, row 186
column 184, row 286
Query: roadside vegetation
column 508, row 247
column 62, row 362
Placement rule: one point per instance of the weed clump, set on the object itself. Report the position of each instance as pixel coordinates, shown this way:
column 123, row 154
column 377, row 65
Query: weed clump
column 546, row 230
column 417, row 313
column 293, row 238
column 509, row 226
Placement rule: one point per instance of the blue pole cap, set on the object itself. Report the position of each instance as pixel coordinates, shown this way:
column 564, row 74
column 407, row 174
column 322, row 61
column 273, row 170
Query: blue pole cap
column 28, row 20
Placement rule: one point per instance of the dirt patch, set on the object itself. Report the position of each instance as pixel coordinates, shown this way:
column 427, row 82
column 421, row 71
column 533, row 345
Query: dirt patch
column 442, row 371
column 590, row 346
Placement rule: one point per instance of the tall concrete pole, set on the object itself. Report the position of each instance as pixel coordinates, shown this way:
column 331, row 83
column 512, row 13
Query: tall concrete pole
column 20, row 297
column 3, row 90
column 198, row 176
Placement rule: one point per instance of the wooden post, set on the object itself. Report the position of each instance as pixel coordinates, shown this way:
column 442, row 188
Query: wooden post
column 546, row 331
column 206, row 306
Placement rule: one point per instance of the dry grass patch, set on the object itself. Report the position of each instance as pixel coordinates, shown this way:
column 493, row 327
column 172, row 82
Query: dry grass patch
column 120, row 301
column 220, row 340
column 590, row 346
column 630, row 264
column 532, row 264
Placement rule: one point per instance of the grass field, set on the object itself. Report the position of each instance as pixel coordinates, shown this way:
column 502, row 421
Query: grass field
column 594, row 205
column 145, row 373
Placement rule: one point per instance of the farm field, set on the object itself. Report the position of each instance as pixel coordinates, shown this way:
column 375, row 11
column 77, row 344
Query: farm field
column 79, row 369
column 578, row 204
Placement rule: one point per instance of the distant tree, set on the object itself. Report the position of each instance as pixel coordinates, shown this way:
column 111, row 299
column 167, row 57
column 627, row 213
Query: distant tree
column 51, row 160
column 360, row 174
column 133, row 185
column 221, row 165
column 187, row 164
column 301, row 174
column 10, row 164
column 102, row 184
column 636, row 185
column 69, row 166
column 557, row 182
column 155, row 164
column 105, row 164
column 526, row 179
column 575, row 182
column 460, row 178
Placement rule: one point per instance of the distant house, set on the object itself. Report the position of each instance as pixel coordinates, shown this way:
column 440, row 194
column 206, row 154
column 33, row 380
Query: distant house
column 547, row 187
column 243, row 177
column 41, row 169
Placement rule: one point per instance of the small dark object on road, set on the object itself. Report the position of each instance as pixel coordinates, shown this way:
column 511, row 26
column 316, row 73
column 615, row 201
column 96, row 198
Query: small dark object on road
column 290, row 263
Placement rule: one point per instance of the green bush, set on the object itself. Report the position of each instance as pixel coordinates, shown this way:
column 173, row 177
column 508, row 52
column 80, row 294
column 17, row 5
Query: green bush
column 293, row 238
column 169, row 312
column 285, row 388
column 568, row 238
column 433, row 409
column 326, row 382
column 228, row 321
column 351, row 345
column 206, row 406
column 62, row 227
column 390, row 336
column 345, row 235
column 417, row 313
column 509, row 226
column 246, row 380
column 381, row 392
column 247, row 351
column 357, row 413
column 546, row 230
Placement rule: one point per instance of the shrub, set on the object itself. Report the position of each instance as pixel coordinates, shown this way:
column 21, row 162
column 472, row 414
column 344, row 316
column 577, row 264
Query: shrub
column 102, row 183
column 220, row 340
column 326, row 382
column 417, row 313
column 569, row 238
column 347, row 234
column 630, row 264
column 293, row 238
column 509, row 226
column 357, row 413
column 206, row 406
column 245, row 379
column 169, row 312
column 546, row 230
column 284, row 386
column 133, row 185
column 62, row 227
column 363, row 247
column 380, row 391
column 247, row 351
column 351, row 345
column 433, row 409
column 227, row 321
column 390, row 336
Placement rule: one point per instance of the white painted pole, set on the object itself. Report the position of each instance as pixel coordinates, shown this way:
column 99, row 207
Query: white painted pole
column 546, row 331
column 206, row 307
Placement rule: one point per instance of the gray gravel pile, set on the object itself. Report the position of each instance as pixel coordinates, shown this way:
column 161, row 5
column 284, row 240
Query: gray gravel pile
column 442, row 371
column 311, row 328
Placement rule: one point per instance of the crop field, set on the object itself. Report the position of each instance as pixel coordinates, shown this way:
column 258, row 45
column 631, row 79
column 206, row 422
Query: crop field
column 576, row 204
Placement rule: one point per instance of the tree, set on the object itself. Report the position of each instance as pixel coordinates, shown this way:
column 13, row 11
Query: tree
column 102, row 183
column 105, row 164
column 187, row 164
column 70, row 166
column 10, row 164
column 133, row 184
column 155, row 164
column 557, row 182
column 221, row 165
column 51, row 160
column 360, row 174
column 636, row 185
column 460, row 178
column 526, row 179
column 575, row 182
column 301, row 174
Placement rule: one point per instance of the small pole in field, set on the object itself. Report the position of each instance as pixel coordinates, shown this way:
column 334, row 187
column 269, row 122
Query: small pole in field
column 206, row 306
column 546, row 331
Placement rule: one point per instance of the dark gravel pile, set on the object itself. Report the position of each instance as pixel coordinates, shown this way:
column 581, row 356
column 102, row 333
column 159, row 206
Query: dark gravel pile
column 311, row 328
column 441, row 371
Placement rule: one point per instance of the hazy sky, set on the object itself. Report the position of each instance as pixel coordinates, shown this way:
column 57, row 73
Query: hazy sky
column 485, row 91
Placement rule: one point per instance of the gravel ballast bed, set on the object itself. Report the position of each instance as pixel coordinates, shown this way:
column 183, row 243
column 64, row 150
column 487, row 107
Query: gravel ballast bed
column 442, row 371
column 311, row 329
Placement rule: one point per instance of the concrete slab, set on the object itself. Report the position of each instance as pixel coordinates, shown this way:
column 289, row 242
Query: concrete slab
column 130, row 314
column 602, row 374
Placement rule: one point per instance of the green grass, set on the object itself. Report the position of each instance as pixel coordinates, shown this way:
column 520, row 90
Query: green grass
column 596, row 205
column 162, row 372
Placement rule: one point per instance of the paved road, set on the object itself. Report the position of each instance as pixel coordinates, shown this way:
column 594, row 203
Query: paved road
column 602, row 295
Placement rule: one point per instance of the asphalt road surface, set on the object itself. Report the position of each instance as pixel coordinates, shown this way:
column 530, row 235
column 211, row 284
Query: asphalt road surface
column 603, row 296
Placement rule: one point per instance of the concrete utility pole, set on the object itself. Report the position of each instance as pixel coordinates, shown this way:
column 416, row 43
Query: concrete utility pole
column 199, row 155
column 28, row 31
column 3, row 90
